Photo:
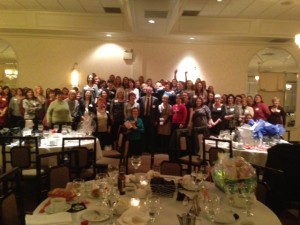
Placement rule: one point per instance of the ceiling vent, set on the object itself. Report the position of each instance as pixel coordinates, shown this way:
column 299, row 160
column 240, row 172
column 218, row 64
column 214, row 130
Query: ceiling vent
column 190, row 13
column 156, row 14
column 112, row 10
column 281, row 40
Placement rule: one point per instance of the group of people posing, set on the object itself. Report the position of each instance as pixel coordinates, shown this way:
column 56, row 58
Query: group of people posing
column 149, row 112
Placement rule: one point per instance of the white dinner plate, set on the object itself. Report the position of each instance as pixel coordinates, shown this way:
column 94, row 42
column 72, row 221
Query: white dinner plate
column 49, row 209
column 94, row 215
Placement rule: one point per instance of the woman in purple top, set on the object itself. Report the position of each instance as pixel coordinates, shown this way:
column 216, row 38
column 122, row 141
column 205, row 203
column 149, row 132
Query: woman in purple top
column 261, row 110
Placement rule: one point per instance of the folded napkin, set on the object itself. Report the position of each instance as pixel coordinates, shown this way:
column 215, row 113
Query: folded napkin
column 52, row 219
column 133, row 216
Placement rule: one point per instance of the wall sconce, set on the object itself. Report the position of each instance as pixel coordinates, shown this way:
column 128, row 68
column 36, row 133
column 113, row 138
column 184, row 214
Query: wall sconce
column 288, row 87
column 74, row 75
column 297, row 40
column 256, row 78
column 11, row 71
column 128, row 54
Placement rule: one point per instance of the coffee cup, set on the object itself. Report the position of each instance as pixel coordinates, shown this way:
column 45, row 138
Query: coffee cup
column 57, row 204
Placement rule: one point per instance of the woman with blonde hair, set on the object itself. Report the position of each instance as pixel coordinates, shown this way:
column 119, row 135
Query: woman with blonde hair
column 277, row 112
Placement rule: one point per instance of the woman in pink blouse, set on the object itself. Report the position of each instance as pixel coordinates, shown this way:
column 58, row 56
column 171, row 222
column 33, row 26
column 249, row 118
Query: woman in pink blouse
column 261, row 110
column 179, row 114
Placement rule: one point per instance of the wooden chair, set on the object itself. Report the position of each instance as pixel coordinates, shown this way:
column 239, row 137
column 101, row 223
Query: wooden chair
column 54, row 170
column 213, row 155
column 214, row 143
column 190, row 142
column 170, row 168
column 85, row 166
column 285, row 191
column 268, row 191
column 11, row 203
column 22, row 155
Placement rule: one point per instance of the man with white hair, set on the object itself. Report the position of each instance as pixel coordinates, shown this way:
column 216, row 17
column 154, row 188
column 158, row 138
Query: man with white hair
column 150, row 116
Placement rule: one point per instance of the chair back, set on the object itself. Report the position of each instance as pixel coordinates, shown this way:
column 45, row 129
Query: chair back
column 213, row 154
column 59, row 176
column 86, row 158
column 215, row 143
column 11, row 203
column 22, row 155
column 54, row 170
column 170, row 168
column 285, row 157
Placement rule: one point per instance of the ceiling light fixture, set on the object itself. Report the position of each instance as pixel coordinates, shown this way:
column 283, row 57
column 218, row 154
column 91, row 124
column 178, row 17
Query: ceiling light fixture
column 108, row 35
column 297, row 40
column 219, row 0
column 151, row 21
column 192, row 38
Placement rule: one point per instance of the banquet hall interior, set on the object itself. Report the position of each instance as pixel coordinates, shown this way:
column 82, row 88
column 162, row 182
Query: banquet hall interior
column 237, row 46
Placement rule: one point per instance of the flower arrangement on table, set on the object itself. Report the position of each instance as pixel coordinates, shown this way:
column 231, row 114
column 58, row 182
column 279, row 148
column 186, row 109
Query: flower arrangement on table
column 262, row 128
column 233, row 171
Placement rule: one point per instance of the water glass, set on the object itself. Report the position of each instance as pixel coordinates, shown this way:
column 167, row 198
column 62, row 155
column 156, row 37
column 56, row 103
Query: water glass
column 78, row 186
column 247, row 191
column 153, row 207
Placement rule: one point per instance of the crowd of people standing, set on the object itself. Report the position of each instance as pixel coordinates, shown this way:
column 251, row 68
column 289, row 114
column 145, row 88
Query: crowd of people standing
column 149, row 111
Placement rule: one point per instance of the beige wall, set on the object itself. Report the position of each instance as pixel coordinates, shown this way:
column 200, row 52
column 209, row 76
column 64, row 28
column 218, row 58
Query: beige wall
column 48, row 61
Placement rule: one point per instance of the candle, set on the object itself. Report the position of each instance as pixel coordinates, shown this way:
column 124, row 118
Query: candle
column 143, row 183
column 135, row 202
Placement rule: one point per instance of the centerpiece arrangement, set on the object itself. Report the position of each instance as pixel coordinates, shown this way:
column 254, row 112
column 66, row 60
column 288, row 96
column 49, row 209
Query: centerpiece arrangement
column 233, row 171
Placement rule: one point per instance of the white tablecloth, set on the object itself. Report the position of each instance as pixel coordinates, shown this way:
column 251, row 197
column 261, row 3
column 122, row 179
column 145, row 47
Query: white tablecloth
column 171, row 207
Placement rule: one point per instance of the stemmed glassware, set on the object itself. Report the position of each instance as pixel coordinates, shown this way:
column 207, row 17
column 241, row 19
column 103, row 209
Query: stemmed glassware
column 136, row 162
column 212, row 207
column 101, row 183
column 78, row 186
column 152, row 205
column 113, row 173
column 111, row 200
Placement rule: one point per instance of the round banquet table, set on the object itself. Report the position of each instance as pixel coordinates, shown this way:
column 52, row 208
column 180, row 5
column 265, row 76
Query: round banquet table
column 171, row 207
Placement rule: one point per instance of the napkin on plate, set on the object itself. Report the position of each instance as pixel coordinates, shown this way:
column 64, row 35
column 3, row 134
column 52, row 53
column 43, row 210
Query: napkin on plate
column 51, row 219
column 133, row 217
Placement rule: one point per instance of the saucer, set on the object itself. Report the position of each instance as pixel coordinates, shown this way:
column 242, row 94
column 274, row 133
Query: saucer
column 49, row 209
column 94, row 216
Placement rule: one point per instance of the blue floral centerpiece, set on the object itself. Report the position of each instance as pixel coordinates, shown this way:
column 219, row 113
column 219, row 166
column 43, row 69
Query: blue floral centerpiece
column 262, row 129
column 233, row 171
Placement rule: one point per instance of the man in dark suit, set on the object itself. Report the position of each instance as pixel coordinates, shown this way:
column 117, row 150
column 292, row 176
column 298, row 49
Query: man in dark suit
column 150, row 116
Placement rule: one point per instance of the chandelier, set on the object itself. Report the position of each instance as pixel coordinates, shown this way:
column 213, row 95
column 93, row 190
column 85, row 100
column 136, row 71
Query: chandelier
column 11, row 72
column 297, row 40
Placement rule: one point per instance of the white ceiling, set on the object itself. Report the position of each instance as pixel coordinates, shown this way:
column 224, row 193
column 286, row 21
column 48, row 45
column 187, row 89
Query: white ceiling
column 251, row 21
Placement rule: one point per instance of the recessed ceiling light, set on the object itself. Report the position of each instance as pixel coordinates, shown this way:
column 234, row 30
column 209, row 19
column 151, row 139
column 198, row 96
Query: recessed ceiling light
column 151, row 21
column 192, row 38
column 108, row 35
column 219, row 0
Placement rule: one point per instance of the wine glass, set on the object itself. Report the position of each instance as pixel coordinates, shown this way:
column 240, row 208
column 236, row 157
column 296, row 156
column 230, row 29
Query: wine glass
column 56, row 128
column 78, row 185
column 113, row 173
column 111, row 200
column 46, row 134
column 152, row 205
column 196, row 179
column 101, row 183
column 136, row 162
column 40, row 128
column 212, row 207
